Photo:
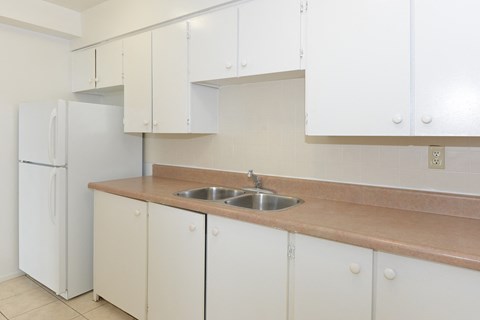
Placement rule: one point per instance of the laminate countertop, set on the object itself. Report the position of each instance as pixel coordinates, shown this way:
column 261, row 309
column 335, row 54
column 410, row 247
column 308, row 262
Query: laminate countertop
column 336, row 212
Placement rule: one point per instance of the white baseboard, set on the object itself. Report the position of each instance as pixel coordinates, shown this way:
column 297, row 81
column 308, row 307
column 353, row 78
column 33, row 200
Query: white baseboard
column 6, row 277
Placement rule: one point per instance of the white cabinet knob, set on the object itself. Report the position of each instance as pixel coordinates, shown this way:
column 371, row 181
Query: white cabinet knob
column 228, row 65
column 215, row 232
column 389, row 274
column 90, row 80
column 137, row 213
column 155, row 123
column 397, row 119
column 97, row 80
column 192, row 227
column 355, row 268
column 244, row 63
column 146, row 122
column 426, row 119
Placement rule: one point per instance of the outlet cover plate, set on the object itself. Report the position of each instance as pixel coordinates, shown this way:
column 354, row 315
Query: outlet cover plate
column 436, row 157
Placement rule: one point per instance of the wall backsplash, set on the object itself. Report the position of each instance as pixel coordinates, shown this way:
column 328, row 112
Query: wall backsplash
column 261, row 127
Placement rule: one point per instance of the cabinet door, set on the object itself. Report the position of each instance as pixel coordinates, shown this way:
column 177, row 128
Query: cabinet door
column 269, row 36
column 170, row 79
column 137, row 66
column 246, row 271
column 358, row 67
column 83, row 70
column 120, row 252
column 176, row 263
column 447, row 68
column 331, row 280
column 413, row 289
column 213, row 45
column 109, row 59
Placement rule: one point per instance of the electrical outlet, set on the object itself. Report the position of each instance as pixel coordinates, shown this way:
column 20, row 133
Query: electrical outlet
column 436, row 157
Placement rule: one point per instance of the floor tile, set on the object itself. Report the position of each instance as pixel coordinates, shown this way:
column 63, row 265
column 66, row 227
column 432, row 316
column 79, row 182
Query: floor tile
column 2, row 317
column 84, row 303
column 16, row 286
column 107, row 312
column 54, row 311
column 25, row 302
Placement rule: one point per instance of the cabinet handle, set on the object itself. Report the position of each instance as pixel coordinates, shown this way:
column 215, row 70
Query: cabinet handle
column 244, row 63
column 355, row 268
column 146, row 122
column 228, row 65
column 192, row 227
column 389, row 274
column 137, row 213
column 426, row 119
column 90, row 80
column 155, row 123
column 97, row 80
column 215, row 232
column 397, row 119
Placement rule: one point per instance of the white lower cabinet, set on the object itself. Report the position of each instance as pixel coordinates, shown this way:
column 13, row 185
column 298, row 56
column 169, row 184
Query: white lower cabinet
column 120, row 252
column 235, row 270
column 247, row 271
column 408, row 288
column 331, row 280
column 176, row 263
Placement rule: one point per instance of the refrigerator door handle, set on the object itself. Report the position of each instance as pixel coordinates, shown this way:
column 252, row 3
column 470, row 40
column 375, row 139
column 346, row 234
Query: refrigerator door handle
column 52, row 136
column 52, row 196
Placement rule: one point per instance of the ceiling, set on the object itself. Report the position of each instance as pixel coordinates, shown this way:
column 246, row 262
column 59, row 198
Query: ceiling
column 77, row 5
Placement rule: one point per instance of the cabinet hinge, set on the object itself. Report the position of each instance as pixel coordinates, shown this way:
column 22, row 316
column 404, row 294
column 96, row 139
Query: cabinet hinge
column 188, row 121
column 188, row 30
column 303, row 6
column 291, row 252
column 301, row 53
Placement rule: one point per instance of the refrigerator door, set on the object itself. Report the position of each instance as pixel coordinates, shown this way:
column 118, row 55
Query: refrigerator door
column 42, row 221
column 42, row 132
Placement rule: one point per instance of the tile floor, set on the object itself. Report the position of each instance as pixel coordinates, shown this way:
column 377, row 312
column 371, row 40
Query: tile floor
column 23, row 299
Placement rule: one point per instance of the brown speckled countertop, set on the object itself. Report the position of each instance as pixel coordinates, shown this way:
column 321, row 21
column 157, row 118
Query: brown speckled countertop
column 432, row 226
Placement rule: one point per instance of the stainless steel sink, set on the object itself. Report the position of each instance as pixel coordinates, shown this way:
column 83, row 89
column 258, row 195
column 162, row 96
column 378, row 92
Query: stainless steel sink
column 210, row 193
column 261, row 201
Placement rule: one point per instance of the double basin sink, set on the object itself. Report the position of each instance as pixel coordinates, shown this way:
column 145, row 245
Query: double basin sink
column 242, row 198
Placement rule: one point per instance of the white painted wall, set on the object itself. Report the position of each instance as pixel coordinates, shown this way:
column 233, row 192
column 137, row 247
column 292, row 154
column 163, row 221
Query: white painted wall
column 261, row 127
column 33, row 67
column 41, row 16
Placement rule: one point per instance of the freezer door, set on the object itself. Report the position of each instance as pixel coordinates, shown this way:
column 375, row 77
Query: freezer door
column 42, row 132
column 42, row 221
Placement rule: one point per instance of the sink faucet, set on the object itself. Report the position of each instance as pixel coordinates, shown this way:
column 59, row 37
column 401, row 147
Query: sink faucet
column 255, row 178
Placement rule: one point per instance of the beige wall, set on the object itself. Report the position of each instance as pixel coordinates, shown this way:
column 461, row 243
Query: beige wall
column 261, row 128
column 32, row 67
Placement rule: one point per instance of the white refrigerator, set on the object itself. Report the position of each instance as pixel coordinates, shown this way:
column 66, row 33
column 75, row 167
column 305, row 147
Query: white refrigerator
column 63, row 145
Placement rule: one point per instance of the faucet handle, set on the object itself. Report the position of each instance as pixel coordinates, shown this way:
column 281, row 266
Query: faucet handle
column 250, row 173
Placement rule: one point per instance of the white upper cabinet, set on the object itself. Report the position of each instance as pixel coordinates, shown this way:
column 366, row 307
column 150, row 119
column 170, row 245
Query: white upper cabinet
column 269, row 37
column 331, row 280
column 178, row 106
column 213, row 45
column 358, row 67
column 170, row 68
column 83, row 70
column 447, row 67
column 266, row 35
column 408, row 288
column 98, row 68
column 138, row 83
